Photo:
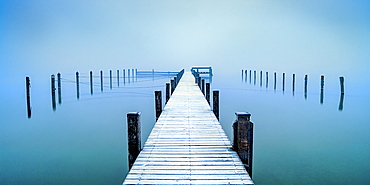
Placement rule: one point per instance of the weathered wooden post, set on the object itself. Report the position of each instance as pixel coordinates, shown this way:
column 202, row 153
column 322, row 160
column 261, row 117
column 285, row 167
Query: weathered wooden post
column 78, row 85
column 203, row 87
column 305, row 86
column 322, row 81
column 246, row 74
column 28, row 92
column 261, row 79
column 216, row 103
column 53, row 101
column 267, row 79
column 322, row 90
column 172, row 86
column 274, row 80
column 341, row 80
column 250, row 76
column 208, row 92
column 293, row 83
column 283, row 81
column 110, row 79
column 340, row 108
column 255, row 76
column 158, row 104
column 91, row 83
column 243, row 139
column 59, row 89
column 168, row 92
column 118, row 78
column 124, row 76
column 242, row 74
column 128, row 75
column 101, row 80
column 134, row 136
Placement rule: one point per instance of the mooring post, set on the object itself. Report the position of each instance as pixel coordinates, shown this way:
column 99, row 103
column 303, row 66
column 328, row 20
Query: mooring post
column 322, row 81
column 91, row 83
column 124, row 76
column 250, row 76
column 283, row 81
column 28, row 92
column 172, row 86
column 208, row 93
column 274, row 80
column 53, row 101
column 267, row 79
column 305, row 86
column 110, row 79
column 246, row 74
column 118, row 78
column 128, row 75
column 78, row 85
column 168, row 92
column 293, row 83
column 341, row 80
column 134, row 136
column 203, row 87
column 242, row 74
column 261, row 79
column 255, row 76
column 158, row 104
column 243, row 139
column 101, row 80
column 59, row 89
column 216, row 103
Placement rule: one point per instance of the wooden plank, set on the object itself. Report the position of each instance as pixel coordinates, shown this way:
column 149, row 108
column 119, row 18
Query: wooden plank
column 187, row 145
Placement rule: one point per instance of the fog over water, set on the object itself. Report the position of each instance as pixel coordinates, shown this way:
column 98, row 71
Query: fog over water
column 296, row 137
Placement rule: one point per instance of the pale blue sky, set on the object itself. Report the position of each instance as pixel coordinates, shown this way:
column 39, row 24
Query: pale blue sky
column 287, row 36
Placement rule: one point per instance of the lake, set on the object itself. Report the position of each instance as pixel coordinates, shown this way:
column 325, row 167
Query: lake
column 298, row 139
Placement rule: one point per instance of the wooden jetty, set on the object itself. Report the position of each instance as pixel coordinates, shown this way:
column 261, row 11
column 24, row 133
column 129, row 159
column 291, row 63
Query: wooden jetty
column 187, row 145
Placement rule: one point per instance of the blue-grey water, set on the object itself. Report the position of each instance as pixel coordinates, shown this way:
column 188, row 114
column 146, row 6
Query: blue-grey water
column 297, row 140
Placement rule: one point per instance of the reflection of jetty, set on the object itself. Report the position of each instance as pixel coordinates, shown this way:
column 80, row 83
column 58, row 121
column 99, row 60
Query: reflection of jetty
column 188, row 145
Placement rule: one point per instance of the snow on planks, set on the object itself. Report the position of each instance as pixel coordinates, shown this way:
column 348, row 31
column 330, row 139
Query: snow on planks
column 187, row 145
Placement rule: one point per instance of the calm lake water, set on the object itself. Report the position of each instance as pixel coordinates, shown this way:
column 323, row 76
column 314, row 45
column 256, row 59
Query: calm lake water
column 297, row 140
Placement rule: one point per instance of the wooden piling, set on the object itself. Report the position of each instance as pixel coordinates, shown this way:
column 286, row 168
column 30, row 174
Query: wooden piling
column 78, row 85
column 110, row 79
column 158, row 104
column 250, row 76
column 243, row 139
column 305, row 86
column 216, row 103
column 128, row 75
column 28, row 93
column 255, row 76
column 274, row 80
column 267, row 79
column 53, row 101
column 293, row 83
column 283, row 81
column 208, row 92
column 91, row 83
column 341, row 80
column 118, row 78
column 203, row 87
column 246, row 74
column 172, row 86
column 242, row 74
column 261, row 79
column 124, row 76
column 59, row 89
column 168, row 92
column 135, row 74
column 134, row 136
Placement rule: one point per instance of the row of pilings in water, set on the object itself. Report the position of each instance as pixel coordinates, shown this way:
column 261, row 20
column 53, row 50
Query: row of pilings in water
column 127, row 76
column 248, row 76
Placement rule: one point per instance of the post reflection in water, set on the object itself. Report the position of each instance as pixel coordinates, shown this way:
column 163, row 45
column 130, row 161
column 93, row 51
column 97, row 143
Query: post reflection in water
column 340, row 108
